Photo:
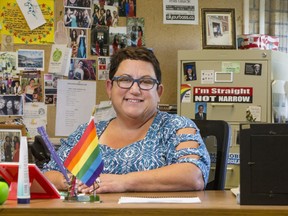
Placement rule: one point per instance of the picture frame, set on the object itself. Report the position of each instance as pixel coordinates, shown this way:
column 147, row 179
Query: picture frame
column 189, row 71
column 10, row 136
column 218, row 28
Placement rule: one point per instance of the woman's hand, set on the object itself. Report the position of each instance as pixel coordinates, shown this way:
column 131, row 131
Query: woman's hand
column 106, row 183
column 58, row 179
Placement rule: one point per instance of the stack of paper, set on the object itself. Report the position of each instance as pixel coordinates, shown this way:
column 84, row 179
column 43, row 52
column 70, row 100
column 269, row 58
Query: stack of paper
column 123, row 200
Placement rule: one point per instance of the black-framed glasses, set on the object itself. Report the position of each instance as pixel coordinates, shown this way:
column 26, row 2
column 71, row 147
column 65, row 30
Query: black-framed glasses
column 144, row 83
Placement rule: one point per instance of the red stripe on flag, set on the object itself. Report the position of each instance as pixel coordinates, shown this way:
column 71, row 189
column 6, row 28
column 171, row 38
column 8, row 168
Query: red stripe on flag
column 79, row 149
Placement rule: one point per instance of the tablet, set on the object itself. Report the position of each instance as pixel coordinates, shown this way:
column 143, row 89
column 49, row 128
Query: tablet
column 40, row 186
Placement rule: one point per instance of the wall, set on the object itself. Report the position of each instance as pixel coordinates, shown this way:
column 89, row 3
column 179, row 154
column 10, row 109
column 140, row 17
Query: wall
column 164, row 39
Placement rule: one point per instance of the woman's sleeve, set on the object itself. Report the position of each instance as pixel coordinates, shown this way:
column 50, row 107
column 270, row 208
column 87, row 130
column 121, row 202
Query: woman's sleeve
column 181, row 155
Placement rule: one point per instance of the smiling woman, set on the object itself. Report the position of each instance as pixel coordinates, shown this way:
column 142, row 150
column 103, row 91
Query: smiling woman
column 143, row 148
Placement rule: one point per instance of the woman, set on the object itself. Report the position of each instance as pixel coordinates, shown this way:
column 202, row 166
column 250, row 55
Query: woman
column 16, row 148
column 67, row 17
column 140, row 34
column 74, row 46
column 79, row 72
column 143, row 148
column 108, row 18
column 3, row 89
column 8, row 149
column 81, row 41
column 9, row 106
column 29, row 90
column 86, row 19
column 17, row 88
column 95, row 16
column 115, row 19
column 73, row 17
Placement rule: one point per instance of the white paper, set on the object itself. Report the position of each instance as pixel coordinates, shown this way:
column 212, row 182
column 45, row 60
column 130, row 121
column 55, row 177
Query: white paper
column 104, row 111
column 75, row 102
column 32, row 13
column 35, row 115
column 180, row 12
column 60, row 59
column 124, row 200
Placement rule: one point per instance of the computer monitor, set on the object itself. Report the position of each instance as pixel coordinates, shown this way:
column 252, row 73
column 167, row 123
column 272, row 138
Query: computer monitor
column 263, row 164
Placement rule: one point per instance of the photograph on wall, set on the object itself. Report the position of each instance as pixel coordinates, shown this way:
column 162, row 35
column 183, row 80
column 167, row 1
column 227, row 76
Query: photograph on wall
column 253, row 69
column 9, row 145
column 117, row 39
column 77, row 17
column 103, row 67
column 11, row 105
column 99, row 41
column 50, row 87
column 77, row 3
column 78, row 42
column 7, row 43
column 10, row 86
column 31, row 86
column 30, row 60
column 106, row 15
column 200, row 111
column 127, row 8
column 8, row 65
column 189, row 70
column 135, row 31
column 82, row 69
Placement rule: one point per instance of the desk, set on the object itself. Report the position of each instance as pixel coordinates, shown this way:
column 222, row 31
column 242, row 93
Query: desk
column 213, row 203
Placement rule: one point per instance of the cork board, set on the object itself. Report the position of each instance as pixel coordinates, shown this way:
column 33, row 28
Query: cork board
column 164, row 39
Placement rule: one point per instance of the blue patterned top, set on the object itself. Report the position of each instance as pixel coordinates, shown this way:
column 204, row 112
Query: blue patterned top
column 156, row 150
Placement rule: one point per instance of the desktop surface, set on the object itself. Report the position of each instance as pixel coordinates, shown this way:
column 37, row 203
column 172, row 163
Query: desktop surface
column 212, row 203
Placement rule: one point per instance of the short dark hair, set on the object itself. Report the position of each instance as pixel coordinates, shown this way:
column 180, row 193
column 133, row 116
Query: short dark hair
column 134, row 53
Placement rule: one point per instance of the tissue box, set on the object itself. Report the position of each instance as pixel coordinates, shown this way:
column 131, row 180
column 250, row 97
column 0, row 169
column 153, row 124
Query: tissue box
column 258, row 41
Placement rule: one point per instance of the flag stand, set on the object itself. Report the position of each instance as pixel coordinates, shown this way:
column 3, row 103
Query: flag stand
column 73, row 196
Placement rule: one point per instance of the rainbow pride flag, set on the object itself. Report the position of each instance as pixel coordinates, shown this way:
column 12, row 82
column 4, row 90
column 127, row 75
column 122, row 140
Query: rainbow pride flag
column 85, row 160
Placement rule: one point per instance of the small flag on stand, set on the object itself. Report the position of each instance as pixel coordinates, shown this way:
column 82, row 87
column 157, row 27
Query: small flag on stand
column 85, row 160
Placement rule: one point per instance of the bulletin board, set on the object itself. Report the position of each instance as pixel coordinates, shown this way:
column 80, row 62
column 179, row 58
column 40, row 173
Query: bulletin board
column 164, row 39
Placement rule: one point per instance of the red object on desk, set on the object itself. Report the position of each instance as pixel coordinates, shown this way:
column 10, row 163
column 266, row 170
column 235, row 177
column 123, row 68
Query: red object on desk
column 40, row 186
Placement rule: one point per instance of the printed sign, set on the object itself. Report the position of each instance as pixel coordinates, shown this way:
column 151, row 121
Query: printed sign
column 223, row 94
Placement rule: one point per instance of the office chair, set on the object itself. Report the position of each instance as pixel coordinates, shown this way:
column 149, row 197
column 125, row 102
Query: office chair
column 219, row 132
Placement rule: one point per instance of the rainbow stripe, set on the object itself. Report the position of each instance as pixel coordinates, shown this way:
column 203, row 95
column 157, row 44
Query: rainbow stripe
column 184, row 88
column 85, row 160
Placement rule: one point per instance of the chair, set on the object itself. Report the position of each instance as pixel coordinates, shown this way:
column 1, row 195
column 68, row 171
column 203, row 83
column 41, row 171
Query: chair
column 219, row 132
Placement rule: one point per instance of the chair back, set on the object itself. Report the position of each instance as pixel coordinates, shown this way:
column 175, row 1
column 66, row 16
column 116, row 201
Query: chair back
column 219, row 132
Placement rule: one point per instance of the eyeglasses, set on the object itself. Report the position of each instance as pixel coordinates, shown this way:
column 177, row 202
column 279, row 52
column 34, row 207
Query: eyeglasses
column 144, row 83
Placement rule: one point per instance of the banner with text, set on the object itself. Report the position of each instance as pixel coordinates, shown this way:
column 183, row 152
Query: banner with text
column 223, row 94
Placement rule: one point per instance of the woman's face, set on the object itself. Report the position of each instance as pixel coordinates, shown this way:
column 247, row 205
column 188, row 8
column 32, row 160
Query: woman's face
column 9, row 104
column 134, row 103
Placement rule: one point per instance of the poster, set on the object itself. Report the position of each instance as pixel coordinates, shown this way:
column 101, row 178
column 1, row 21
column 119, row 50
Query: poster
column 180, row 12
column 14, row 23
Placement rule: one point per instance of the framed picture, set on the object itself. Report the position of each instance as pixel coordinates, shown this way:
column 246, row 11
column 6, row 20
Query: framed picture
column 10, row 136
column 218, row 28
column 189, row 69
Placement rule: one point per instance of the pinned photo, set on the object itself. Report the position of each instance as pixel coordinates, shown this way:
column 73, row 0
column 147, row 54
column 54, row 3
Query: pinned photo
column 253, row 69
column 189, row 71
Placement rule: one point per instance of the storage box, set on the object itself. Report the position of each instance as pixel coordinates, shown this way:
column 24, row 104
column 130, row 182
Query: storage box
column 258, row 41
